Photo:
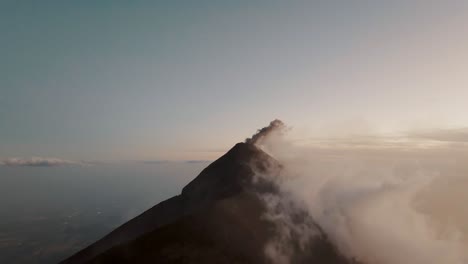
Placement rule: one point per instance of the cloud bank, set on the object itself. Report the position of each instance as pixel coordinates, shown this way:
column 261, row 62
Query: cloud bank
column 37, row 162
column 379, row 200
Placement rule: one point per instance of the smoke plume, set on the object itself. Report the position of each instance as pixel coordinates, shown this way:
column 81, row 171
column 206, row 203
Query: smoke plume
column 275, row 126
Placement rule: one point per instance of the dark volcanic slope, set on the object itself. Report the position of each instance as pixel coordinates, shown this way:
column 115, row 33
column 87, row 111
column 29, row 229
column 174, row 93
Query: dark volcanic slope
column 218, row 218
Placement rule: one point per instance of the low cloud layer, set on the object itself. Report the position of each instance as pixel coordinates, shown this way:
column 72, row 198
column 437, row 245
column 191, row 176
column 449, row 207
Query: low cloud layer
column 37, row 162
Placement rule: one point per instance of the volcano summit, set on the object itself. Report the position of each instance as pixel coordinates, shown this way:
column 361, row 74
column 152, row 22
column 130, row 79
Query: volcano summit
column 220, row 217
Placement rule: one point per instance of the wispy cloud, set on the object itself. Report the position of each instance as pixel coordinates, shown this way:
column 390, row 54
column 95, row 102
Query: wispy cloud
column 197, row 161
column 155, row 161
column 174, row 161
column 37, row 162
column 447, row 135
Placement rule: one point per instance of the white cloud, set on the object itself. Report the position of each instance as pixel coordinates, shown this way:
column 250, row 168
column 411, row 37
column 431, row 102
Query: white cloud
column 377, row 200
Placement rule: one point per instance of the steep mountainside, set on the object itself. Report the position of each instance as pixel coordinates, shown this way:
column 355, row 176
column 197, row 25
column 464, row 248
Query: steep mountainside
column 218, row 218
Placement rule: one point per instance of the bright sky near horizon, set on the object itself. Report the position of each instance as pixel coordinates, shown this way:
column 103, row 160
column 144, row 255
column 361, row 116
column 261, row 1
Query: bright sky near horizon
column 112, row 80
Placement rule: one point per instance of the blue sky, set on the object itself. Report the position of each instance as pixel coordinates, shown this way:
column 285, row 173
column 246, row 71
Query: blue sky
column 89, row 80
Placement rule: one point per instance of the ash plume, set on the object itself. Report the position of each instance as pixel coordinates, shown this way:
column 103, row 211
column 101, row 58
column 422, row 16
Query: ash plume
column 274, row 125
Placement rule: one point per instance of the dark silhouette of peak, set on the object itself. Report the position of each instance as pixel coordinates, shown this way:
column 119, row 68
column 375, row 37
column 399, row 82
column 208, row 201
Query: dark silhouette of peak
column 219, row 217
column 228, row 176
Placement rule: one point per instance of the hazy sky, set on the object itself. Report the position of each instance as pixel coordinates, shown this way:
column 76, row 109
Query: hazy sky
column 104, row 80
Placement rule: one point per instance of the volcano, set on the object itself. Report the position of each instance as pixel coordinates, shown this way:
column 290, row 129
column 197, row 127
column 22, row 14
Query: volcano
column 219, row 217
